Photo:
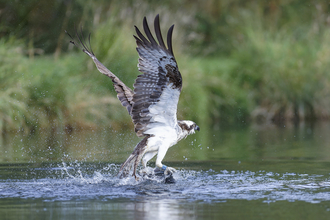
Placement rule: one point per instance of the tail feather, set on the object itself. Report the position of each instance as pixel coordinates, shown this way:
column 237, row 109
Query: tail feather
column 134, row 159
column 126, row 167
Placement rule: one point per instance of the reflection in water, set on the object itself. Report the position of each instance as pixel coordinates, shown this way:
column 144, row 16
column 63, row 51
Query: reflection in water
column 88, row 190
column 155, row 209
column 253, row 143
column 47, row 146
column 64, row 174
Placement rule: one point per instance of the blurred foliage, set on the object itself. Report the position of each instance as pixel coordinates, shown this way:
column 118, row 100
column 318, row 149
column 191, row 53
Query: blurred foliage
column 241, row 60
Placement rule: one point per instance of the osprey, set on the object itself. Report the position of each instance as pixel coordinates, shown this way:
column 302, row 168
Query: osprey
column 153, row 102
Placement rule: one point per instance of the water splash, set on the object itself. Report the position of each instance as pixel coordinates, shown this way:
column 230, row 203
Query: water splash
column 83, row 181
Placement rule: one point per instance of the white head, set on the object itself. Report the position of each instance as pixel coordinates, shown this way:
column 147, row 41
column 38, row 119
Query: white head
column 187, row 127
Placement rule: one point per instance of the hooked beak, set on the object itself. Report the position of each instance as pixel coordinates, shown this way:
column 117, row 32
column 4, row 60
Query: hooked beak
column 197, row 128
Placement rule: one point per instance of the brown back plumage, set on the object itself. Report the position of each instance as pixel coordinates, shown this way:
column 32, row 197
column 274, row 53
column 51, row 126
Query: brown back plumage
column 159, row 68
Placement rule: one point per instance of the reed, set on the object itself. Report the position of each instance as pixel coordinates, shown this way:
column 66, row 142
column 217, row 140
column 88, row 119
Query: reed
column 240, row 61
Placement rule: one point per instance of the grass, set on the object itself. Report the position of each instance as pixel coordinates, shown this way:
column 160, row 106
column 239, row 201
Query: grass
column 283, row 73
column 58, row 94
column 268, row 70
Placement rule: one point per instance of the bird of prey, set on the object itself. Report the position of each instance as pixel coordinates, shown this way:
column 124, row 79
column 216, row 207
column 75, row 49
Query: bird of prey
column 153, row 102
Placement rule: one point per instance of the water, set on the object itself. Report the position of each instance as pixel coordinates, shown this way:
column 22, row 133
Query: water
column 250, row 172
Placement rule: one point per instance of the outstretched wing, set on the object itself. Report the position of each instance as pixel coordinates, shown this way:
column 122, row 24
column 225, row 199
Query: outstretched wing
column 124, row 93
column 157, row 90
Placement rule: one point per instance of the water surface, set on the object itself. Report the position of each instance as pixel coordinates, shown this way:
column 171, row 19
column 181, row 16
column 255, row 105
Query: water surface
column 250, row 172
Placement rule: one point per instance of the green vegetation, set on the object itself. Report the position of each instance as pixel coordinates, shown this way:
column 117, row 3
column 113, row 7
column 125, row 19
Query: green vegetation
column 240, row 61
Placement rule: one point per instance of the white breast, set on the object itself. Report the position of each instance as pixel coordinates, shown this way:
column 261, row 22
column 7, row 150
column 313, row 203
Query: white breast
column 163, row 114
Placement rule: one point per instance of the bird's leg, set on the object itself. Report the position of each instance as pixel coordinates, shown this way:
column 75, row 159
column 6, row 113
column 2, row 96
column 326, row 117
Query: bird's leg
column 147, row 156
column 160, row 157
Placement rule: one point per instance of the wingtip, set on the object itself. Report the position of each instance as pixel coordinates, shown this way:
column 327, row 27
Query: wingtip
column 148, row 33
column 69, row 36
column 169, row 39
column 158, row 32
column 156, row 19
column 149, row 38
column 81, row 42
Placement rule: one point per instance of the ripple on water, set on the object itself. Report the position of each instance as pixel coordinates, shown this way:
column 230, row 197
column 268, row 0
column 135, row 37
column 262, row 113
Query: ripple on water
column 74, row 181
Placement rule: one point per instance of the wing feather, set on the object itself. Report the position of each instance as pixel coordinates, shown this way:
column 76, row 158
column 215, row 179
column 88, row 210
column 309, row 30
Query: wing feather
column 157, row 89
column 124, row 93
column 148, row 33
column 142, row 39
column 153, row 102
column 158, row 32
column 169, row 39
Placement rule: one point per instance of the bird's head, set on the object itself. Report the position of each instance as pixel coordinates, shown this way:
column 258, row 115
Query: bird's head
column 188, row 127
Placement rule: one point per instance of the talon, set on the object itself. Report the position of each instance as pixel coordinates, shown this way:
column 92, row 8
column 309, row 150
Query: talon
column 169, row 170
